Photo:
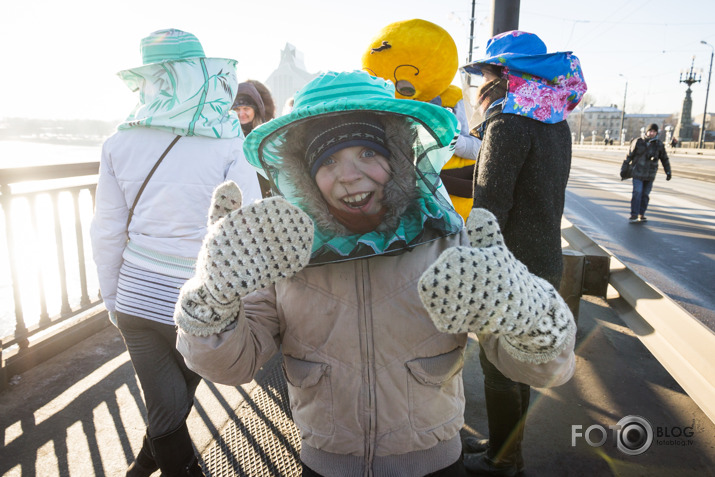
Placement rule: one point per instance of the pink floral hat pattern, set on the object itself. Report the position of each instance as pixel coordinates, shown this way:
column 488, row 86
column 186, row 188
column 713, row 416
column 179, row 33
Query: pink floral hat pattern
column 542, row 86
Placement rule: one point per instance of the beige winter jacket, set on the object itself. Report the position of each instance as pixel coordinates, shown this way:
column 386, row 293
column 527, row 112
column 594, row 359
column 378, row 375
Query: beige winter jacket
column 374, row 388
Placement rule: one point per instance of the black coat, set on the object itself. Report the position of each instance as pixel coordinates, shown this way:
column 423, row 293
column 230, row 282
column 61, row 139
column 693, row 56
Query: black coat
column 521, row 175
column 644, row 155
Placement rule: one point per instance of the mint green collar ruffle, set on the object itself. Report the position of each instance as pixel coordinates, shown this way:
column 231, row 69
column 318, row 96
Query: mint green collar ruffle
column 425, row 214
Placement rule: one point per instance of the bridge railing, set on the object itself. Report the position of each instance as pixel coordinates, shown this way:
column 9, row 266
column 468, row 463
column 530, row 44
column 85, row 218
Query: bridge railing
column 50, row 278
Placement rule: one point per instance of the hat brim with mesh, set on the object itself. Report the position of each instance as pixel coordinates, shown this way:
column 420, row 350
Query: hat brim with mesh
column 336, row 93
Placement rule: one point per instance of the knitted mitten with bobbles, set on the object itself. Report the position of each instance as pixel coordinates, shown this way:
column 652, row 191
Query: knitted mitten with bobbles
column 245, row 249
column 485, row 289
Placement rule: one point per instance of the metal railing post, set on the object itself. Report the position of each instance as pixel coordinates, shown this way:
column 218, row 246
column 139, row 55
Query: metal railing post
column 6, row 198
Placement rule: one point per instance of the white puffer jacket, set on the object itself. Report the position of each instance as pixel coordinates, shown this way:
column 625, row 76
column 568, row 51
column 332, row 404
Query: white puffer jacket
column 170, row 218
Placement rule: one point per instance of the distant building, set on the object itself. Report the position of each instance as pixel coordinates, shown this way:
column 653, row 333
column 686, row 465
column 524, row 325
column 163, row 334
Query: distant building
column 605, row 120
column 599, row 123
column 708, row 122
column 634, row 123
column 289, row 77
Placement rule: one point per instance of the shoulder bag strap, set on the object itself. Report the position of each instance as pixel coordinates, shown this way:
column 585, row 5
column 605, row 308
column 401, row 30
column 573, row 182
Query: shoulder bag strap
column 151, row 173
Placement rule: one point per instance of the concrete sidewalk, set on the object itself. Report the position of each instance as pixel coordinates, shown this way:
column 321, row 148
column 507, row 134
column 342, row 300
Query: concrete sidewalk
column 81, row 414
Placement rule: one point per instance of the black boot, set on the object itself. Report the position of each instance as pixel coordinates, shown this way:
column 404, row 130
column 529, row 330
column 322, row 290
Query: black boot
column 144, row 464
column 174, row 453
column 473, row 445
column 501, row 454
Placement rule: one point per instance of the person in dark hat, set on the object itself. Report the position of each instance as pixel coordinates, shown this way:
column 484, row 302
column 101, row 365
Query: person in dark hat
column 643, row 157
column 249, row 107
column 254, row 106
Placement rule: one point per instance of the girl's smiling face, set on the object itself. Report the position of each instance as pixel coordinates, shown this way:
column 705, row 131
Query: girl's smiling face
column 353, row 180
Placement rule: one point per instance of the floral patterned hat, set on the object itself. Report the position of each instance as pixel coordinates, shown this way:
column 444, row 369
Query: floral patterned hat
column 543, row 86
column 180, row 89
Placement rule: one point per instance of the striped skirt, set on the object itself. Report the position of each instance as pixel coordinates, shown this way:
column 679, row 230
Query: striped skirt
column 147, row 294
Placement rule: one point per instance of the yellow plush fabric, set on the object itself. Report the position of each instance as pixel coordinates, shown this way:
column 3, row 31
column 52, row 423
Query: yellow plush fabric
column 451, row 96
column 417, row 51
column 463, row 205
column 425, row 55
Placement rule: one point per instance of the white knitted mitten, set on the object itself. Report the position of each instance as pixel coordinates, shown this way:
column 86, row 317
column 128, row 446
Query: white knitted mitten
column 485, row 289
column 245, row 249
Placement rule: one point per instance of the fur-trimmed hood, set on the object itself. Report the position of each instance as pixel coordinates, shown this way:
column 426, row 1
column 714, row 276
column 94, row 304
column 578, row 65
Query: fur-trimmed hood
column 400, row 191
column 417, row 209
column 420, row 138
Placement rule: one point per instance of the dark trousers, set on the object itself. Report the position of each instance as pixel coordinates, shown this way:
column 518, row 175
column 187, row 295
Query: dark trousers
column 640, row 196
column 167, row 383
column 455, row 470
column 507, row 403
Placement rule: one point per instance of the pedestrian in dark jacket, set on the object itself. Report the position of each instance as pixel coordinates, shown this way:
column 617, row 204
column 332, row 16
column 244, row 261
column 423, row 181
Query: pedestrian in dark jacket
column 520, row 176
column 643, row 156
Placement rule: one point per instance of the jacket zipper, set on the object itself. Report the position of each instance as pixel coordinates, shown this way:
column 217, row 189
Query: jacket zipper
column 368, row 363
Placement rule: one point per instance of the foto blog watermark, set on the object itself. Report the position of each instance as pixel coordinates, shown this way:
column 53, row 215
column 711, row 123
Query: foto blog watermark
column 633, row 435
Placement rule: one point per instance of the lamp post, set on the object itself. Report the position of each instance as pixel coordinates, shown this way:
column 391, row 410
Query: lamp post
column 471, row 33
column 707, row 92
column 623, row 113
column 580, row 119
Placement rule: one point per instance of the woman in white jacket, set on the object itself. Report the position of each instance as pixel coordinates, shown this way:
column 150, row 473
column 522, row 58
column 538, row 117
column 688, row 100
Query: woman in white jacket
column 186, row 97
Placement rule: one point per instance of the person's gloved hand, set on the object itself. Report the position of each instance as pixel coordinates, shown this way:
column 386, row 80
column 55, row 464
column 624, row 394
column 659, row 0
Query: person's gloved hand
column 485, row 289
column 245, row 249
column 668, row 177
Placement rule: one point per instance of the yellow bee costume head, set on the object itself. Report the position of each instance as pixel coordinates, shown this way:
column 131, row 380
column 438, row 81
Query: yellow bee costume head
column 419, row 57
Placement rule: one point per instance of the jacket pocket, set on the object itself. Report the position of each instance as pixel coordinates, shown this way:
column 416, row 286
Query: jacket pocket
column 435, row 389
column 311, row 396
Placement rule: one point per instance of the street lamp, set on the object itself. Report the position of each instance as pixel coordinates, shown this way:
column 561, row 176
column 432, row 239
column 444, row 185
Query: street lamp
column 623, row 113
column 471, row 33
column 707, row 91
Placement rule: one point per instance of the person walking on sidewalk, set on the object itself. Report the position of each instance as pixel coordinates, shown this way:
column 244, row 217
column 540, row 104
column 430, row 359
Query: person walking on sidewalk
column 523, row 97
column 643, row 157
column 147, row 228
column 353, row 275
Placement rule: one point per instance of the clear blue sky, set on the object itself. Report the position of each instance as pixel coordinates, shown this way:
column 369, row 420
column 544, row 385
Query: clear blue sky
column 61, row 58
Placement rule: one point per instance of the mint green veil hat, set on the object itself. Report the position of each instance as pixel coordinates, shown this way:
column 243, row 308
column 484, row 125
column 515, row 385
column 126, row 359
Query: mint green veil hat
column 181, row 90
column 334, row 94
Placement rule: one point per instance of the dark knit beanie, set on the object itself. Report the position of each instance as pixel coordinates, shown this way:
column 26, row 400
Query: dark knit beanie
column 330, row 135
column 653, row 127
column 245, row 100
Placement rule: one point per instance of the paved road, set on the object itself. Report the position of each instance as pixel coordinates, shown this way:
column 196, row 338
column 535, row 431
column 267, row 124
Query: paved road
column 675, row 249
